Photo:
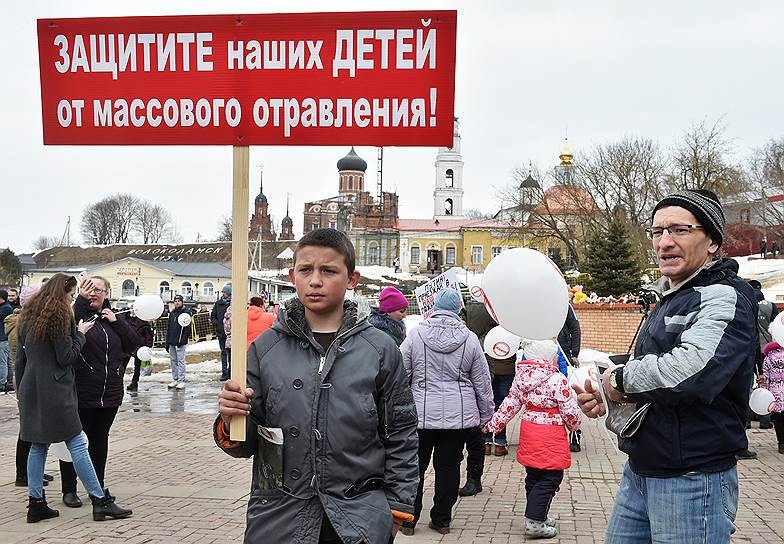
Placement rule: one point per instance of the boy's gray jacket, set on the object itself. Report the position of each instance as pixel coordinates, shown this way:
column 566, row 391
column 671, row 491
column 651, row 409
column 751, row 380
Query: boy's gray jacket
column 350, row 442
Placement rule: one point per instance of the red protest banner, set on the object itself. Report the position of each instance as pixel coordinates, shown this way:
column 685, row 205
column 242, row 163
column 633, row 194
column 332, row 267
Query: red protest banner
column 359, row 78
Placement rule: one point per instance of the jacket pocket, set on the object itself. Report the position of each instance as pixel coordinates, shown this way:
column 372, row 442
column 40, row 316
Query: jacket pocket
column 60, row 374
column 271, row 404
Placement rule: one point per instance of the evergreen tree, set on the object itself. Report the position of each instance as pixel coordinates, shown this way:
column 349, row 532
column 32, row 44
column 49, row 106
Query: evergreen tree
column 10, row 268
column 611, row 262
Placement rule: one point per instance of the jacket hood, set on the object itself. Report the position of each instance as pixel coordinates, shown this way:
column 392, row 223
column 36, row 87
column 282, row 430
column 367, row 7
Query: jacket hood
column 443, row 332
column 770, row 346
column 291, row 318
column 534, row 373
column 255, row 313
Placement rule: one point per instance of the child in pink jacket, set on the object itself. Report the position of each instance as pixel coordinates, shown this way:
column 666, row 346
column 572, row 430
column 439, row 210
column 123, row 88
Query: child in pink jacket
column 550, row 410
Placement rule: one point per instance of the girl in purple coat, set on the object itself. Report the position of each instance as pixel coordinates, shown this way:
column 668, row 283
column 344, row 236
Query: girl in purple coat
column 450, row 380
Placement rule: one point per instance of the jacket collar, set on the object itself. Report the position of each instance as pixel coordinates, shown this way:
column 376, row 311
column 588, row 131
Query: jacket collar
column 291, row 319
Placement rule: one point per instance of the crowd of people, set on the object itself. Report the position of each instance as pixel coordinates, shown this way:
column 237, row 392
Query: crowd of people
column 363, row 406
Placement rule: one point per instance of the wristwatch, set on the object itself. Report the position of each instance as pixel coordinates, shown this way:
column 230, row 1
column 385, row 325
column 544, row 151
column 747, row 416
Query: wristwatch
column 616, row 379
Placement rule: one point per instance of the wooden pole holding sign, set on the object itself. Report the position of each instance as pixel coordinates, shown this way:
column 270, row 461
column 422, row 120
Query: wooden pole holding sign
column 239, row 279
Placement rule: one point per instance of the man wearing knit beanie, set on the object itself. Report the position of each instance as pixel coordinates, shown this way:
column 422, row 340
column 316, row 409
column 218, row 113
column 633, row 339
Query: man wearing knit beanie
column 688, row 385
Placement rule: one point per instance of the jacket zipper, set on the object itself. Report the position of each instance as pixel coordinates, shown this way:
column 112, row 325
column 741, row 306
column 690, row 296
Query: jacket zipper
column 106, row 374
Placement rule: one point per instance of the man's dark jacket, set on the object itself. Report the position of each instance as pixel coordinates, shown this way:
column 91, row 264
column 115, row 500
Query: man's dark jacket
column 694, row 361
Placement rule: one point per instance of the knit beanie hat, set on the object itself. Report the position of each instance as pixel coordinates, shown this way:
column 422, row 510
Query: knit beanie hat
column 704, row 205
column 226, row 289
column 540, row 350
column 27, row 292
column 449, row 300
column 391, row 300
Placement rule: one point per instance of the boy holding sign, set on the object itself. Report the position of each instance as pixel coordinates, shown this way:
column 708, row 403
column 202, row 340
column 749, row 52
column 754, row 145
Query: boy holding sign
column 334, row 388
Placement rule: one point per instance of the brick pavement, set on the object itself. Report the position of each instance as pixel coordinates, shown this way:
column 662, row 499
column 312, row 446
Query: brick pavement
column 183, row 489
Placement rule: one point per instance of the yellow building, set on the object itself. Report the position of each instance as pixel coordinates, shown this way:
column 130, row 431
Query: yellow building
column 434, row 245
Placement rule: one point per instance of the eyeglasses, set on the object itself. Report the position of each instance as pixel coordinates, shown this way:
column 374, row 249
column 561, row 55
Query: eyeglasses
column 675, row 231
column 98, row 290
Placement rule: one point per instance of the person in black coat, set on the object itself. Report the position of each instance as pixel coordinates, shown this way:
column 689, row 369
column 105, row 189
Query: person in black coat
column 569, row 339
column 143, row 329
column 177, row 336
column 216, row 317
column 99, row 377
column 49, row 348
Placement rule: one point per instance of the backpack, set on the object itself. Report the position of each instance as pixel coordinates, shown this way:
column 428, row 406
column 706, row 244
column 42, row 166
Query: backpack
column 764, row 315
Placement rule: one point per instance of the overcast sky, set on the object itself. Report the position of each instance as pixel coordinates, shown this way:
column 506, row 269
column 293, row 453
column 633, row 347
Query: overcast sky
column 525, row 72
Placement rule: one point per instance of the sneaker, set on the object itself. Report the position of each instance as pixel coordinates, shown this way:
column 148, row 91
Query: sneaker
column 746, row 454
column 574, row 441
column 550, row 522
column 539, row 529
column 501, row 450
column 172, row 385
column 471, row 488
column 407, row 530
column 133, row 386
column 180, row 386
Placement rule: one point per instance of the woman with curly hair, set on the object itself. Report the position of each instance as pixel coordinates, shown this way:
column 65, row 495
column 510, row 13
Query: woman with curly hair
column 49, row 346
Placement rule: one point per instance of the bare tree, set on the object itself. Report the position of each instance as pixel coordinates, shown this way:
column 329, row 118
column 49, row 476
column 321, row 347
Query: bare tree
column 702, row 161
column 624, row 178
column 549, row 211
column 473, row 213
column 766, row 175
column 152, row 223
column 224, row 229
column 109, row 221
column 45, row 242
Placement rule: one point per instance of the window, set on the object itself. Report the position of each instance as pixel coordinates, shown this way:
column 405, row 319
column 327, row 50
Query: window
column 333, row 224
column 128, row 288
column 372, row 255
column 414, row 254
column 186, row 290
column 451, row 253
column 315, row 225
column 351, row 183
column 208, row 289
column 495, row 251
column 450, row 178
column 448, row 207
column 163, row 289
column 477, row 255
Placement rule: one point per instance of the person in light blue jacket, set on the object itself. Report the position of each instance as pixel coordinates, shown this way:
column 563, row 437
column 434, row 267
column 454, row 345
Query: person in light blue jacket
column 451, row 384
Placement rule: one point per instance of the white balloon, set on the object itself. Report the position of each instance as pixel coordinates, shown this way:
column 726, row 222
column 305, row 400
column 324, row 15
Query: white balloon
column 148, row 307
column 475, row 288
column 762, row 401
column 60, row 450
column 144, row 354
column 500, row 343
column 526, row 293
column 184, row 319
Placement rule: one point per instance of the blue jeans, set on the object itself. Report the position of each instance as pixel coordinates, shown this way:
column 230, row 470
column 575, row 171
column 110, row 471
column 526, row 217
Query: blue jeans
column 698, row 507
column 501, row 386
column 177, row 357
column 5, row 363
column 82, row 464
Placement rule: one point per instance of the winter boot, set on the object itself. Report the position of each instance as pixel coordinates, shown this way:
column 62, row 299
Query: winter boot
column 37, row 509
column 105, row 506
column 471, row 488
column 539, row 529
